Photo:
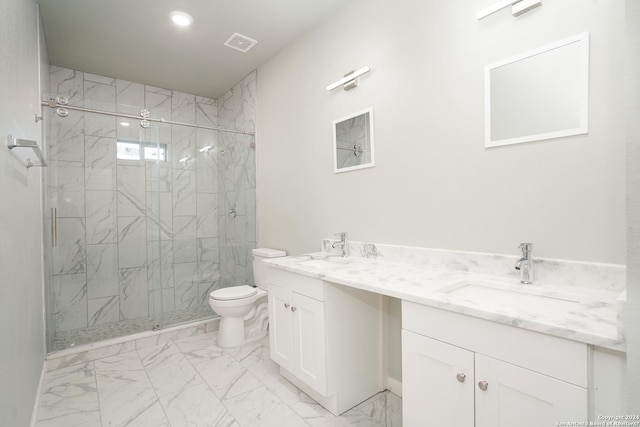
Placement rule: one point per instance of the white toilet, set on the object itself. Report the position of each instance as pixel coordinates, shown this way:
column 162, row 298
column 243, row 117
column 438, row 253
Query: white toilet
column 236, row 303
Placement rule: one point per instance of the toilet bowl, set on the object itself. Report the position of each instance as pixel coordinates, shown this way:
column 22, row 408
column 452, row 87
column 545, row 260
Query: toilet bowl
column 236, row 304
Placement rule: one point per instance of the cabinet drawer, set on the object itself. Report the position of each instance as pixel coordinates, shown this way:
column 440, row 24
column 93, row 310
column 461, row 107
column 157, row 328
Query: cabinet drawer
column 307, row 286
column 559, row 358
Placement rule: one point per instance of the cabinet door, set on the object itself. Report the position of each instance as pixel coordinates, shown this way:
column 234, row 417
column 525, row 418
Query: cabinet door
column 281, row 327
column 309, row 342
column 437, row 383
column 515, row 396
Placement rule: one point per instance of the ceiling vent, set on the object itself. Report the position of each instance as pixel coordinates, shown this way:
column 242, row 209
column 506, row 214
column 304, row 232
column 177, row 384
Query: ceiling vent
column 240, row 42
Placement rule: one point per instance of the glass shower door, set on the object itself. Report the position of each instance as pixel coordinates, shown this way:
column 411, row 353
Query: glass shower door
column 103, row 275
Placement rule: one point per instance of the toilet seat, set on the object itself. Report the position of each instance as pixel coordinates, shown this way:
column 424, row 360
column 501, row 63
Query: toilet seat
column 233, row 293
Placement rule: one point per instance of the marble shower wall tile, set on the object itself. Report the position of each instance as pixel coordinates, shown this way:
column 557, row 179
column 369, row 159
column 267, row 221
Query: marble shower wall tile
column 207, row 172
column 131, row 190
column 161, row 301
column 66, row 137
column 186, row 286
column 67, row 83
column 183, row 107
column 99, row 125
column 70, row 301
column 207, row 215
column 103, row 310
column 158, row 175
column 133, row 293
column 204, row 138
column 102, row 270
column 159, row 216
column 66, row 187
column 226, row 111
column 206, row 111
column 184, row 192
column 245, row 104
column 208, row 263
column 183, row 145
column 184, row 242
column 100, row 163
column 158, row 102
column 102, row 217
column 99, row 92
column 129, row 97
column 160, row 264
column 132, row 242
column 69, row 256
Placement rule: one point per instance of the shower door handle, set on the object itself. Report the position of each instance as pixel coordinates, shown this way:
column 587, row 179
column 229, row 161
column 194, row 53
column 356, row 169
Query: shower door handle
column 54, row 227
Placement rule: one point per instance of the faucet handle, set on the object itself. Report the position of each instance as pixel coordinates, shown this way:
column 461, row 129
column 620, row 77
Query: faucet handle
column 526, row 247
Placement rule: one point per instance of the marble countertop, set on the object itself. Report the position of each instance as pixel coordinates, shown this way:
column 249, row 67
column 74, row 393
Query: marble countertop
column 581, row 314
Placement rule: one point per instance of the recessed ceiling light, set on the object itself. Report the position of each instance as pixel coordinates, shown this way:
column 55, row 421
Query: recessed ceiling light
column 125, row 124
column 181, row 19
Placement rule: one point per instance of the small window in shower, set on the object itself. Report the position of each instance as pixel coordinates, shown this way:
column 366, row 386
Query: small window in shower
column 134, row 150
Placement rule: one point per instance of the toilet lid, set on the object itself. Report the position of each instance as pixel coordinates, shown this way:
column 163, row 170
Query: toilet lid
column 233, row 292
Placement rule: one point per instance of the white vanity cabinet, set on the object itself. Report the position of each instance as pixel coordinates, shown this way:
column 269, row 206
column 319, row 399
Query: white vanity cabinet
column 297, row 340
column 326, row 338
column 462, row 371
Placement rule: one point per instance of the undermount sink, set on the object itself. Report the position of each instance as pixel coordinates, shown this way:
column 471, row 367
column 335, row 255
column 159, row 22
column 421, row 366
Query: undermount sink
column 323, row 260
column 529, row 297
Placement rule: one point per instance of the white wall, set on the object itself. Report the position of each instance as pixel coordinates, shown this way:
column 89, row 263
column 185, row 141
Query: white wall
column 632, row 315
column 21, row 306
column 434, row 183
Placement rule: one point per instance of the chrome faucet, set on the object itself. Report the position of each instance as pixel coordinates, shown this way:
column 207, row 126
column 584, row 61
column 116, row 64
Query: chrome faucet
column 343, row 243
column 525, row 264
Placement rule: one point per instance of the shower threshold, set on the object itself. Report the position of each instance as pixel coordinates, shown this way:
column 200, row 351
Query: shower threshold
column 64, row 340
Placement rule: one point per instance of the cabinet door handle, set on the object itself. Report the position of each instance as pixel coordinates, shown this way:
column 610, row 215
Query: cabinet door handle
column 461, row 377
column 286, row 305
column 293, row 309
column 483, row 385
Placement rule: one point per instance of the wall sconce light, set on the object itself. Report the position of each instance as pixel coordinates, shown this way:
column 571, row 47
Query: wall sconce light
column 349, row 81
column 184, row 159
column 518, row 7
column 205, row 149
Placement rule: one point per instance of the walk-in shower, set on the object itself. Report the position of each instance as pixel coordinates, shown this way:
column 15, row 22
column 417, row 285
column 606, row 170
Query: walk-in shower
column 150, row 202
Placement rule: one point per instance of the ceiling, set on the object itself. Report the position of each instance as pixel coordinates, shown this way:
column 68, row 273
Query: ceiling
column 135, row 40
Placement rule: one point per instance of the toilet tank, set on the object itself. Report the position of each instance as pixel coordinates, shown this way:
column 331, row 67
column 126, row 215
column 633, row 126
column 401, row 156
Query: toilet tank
column 259, row 269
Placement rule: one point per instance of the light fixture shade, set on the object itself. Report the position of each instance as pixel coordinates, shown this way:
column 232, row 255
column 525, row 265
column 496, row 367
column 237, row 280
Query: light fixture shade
column 348, row 78
column 181, row 19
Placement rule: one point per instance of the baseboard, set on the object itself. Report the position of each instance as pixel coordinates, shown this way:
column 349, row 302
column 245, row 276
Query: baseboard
column 36, row 403
column 394, row 386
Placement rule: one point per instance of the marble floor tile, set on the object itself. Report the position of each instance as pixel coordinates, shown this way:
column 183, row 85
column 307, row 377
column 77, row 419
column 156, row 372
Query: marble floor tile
column 69, row 398
column 252, row 353
column 191, row 381
column 384, row 408
column 262, row 408
column 127, row 397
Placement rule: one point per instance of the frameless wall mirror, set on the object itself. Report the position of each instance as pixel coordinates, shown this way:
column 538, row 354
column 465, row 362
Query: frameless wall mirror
column 353, row 142
column 538, row 95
